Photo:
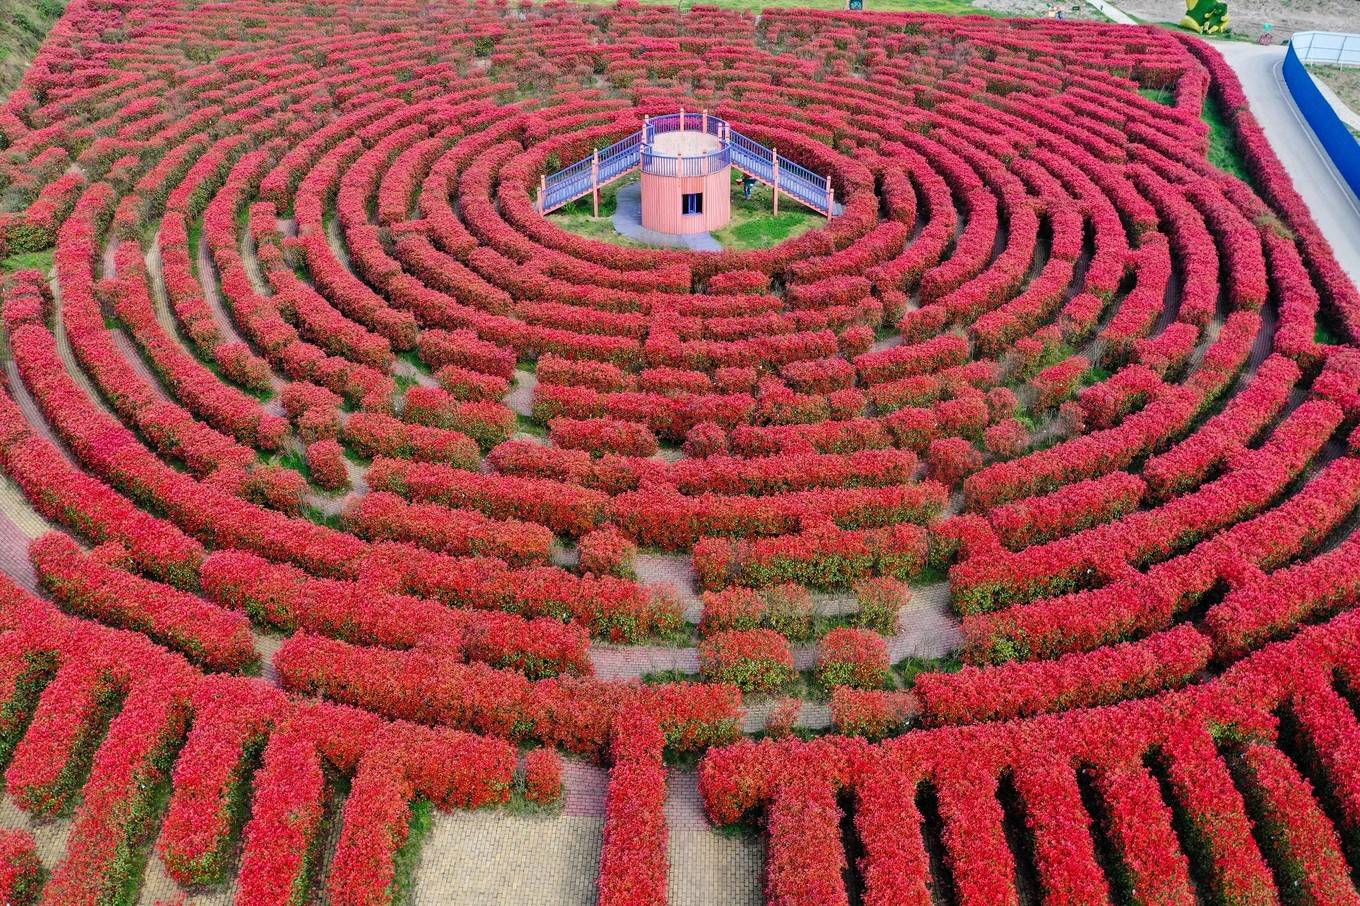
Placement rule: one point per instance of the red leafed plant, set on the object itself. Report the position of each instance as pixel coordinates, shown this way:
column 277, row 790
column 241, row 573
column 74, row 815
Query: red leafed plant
column 881, row 600
column 852, row 657
column 607, row 552
column 754, row 660
column 326, row 461
column 543, row 776
column 872, row 713
column 21, row 872
column 732, row 608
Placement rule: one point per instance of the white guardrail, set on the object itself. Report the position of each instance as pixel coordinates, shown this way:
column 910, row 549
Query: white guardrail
column 1334, row 48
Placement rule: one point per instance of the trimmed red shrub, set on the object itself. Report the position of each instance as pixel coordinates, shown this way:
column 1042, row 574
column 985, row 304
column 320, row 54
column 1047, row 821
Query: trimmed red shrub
column 705, row 439
column 326, row 461
column 789, row 611
column 783, row 717
column 21, row 872
column 543, row 777
column 602, row 435
column 952, row 459
column 871, row 713
column 753, row 660
column 606, row 552
column 852, row 657
column 732, row 608
column 880, row 601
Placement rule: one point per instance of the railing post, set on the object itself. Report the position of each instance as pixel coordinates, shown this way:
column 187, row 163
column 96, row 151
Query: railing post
column 595, row 181
column 830, row 195
column 682, row 119
column 775, row 173
column 542, row 190
column 705, row 120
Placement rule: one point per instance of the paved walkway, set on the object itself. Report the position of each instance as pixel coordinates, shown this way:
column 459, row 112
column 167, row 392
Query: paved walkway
column 1331, row 202
column 1113, row 13
column 628, row 222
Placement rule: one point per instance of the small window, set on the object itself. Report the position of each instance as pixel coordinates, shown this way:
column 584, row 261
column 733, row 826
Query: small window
column 692, row 203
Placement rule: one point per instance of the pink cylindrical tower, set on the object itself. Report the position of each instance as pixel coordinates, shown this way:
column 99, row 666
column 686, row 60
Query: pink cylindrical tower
column 686, row 175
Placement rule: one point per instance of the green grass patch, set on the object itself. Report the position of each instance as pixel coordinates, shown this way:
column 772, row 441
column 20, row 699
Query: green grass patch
column 1224, row 152
column 317, row 517
column 755, row 226
column 289, row 459
column 1325, row 334
column 749, row 828
column 1275, row 225
column 408, row 854
column 909, row 668
column 1094, row 375
column 355, row 457
column 664, row 677
column 929, row 575
column 29, row 261
column 1160, row 95
column 23, row 26
column 578, row 217
column 194, row 235
column 521, row 807
column 529, row 426
column 412, row 358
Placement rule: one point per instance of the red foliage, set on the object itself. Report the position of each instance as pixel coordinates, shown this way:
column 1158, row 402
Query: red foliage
column 852, row 657
column 94, row 586
column 326, row 461
column 602, row 435
column 543, row 777
column 880, row 601
column 606, row 552
column 21, row 872
column 753, row 660
column 732, row 608
column 871, row 713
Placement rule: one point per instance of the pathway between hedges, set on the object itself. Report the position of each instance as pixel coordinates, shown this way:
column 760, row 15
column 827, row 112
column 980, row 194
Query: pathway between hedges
column 1331, row 202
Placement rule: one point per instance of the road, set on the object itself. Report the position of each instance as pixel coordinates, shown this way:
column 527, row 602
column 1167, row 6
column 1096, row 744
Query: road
column 1333, row 206
column 1112, row 12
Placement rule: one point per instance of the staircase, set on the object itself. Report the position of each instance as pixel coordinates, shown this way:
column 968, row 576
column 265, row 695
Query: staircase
column 745, row 154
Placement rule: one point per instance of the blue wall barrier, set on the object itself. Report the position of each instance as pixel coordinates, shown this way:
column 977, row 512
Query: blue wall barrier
column 1341, row 146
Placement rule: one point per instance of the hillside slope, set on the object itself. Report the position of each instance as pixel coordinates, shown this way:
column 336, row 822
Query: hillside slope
column 23, row 25
column 1287, row 16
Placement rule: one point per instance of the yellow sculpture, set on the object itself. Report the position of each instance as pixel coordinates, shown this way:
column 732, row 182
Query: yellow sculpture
column 1208, row 17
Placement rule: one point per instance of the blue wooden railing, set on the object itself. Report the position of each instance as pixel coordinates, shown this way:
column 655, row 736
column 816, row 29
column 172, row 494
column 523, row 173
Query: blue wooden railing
column 635, row 152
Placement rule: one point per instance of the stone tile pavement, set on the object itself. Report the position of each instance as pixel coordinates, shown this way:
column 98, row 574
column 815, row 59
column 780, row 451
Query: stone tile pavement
column 521, row 396
column 675, row 571
column 926, row 627
column 495, row 859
